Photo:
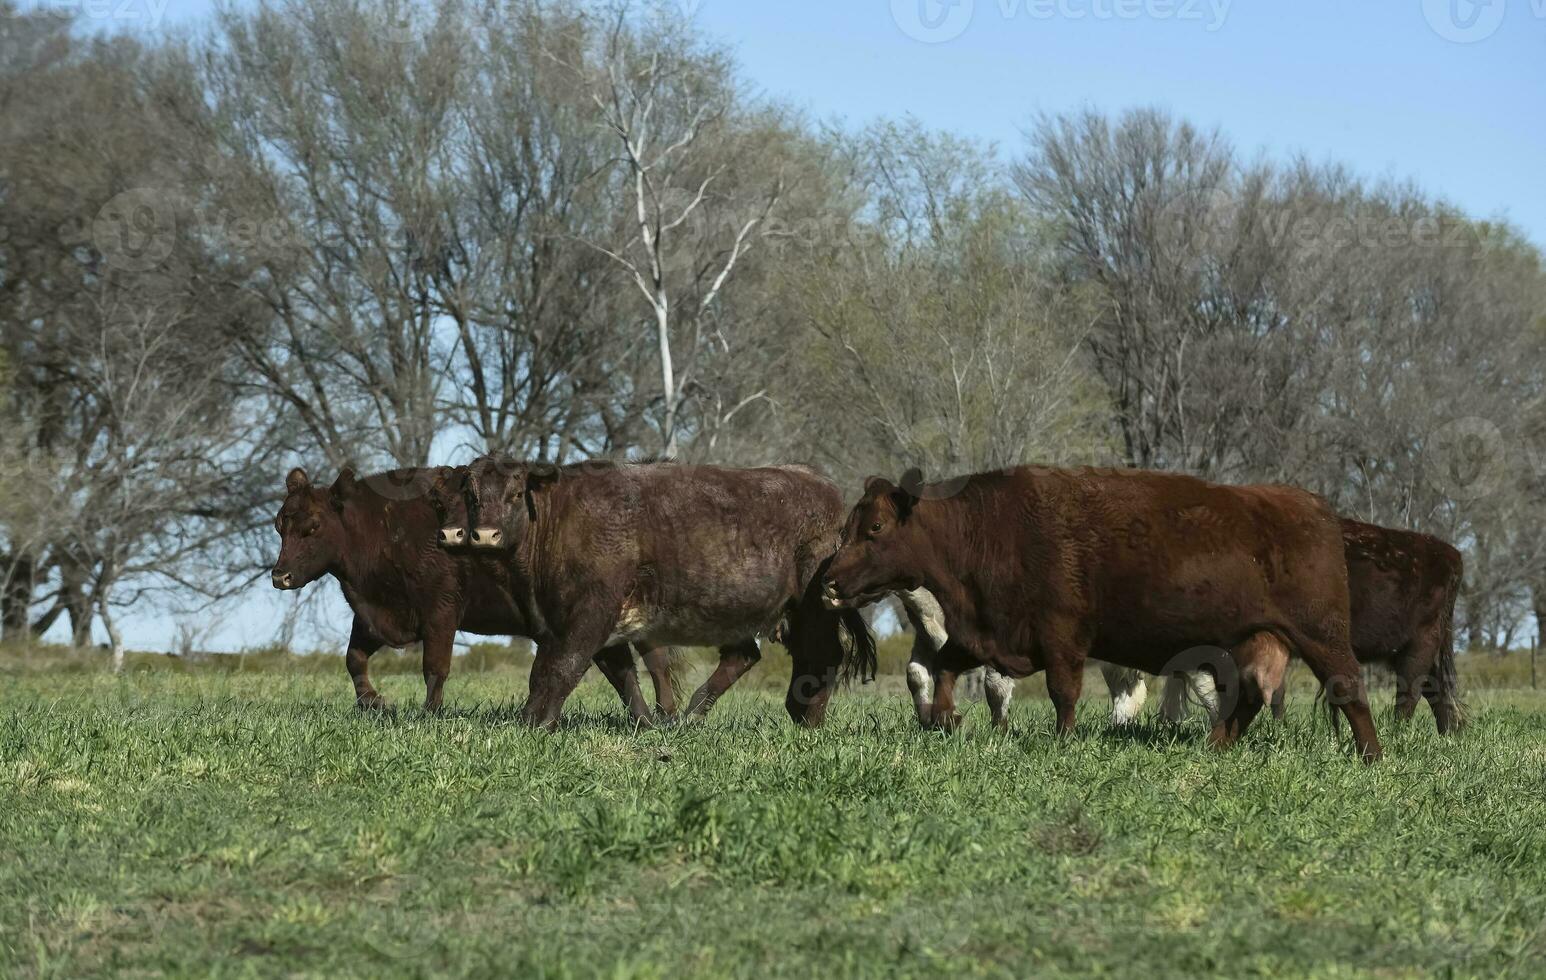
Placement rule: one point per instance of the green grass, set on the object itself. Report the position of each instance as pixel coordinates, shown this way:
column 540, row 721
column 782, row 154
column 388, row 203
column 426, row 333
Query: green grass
column 207, row 822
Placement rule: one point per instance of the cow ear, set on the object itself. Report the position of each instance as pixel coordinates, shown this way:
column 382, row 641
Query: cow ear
column 296, row 480
column 907, row 493
column 344, row 487
column 440, row 486
column 878, row 486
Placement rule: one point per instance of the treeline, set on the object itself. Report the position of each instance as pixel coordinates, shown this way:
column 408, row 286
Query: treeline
column 327, row 232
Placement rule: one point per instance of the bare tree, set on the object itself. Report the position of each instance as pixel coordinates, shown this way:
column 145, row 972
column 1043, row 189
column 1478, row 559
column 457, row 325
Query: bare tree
column 941, row 339
column 673, row 109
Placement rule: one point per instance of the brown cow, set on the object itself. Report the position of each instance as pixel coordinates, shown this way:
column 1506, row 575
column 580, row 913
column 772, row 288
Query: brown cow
column 1402, row 587
column 379, row 538
column 446, row 495
column 1037, row 569
column 605, row 553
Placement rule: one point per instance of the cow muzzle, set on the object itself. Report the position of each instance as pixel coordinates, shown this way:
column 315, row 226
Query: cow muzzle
column 283, row 580
column 488, row 537
column 451, row 537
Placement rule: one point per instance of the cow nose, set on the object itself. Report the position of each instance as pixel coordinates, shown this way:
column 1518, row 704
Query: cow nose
column 487, row 537
column 451, row 536
column 283, row 580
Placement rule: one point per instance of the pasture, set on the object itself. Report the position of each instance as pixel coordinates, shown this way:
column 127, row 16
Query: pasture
column 201, row 821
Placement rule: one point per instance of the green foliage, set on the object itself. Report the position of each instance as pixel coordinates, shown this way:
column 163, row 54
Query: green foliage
column 209, row 824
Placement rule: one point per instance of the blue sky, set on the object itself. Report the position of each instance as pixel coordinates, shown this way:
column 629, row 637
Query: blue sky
column 1448, row 93
column 1377, row 85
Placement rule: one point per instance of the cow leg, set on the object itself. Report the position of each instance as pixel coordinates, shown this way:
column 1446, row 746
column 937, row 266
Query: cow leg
column 1331, row 660
column 1444, row 714
column 357, row 659
column 920, row 682
column 1413, row 666
column 1277, row 702
column 616, row 665
column 942, row 715
column 735, row 659
column 1128, row 692
column 437, row 664
column 657, row 660
column 998, row 689
column 556, row 671
column 1065, row 679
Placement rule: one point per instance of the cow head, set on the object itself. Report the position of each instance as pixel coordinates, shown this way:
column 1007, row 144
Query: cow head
column 883, row 549
column 499, row 499
column 311, row 530
column 448, row 496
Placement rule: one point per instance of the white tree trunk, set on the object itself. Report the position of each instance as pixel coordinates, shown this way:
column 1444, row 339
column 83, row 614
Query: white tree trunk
column 114, row 637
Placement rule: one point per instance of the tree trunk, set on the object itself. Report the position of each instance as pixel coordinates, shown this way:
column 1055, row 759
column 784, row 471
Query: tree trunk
column 114, row 638
column 667, row 370
column 16, row 598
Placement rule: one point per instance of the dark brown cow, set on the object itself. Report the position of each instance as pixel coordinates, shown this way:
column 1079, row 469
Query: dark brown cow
column 1402, row 586
column 1037, row 569
column 657, row 553
column 379, row 538
column 447, row 496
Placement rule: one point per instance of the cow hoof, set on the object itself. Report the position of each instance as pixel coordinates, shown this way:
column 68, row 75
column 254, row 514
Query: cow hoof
column 371, row 702
column 945, row 723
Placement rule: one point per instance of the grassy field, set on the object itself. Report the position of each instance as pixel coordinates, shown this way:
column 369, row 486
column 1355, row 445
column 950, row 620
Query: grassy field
column 203, row 821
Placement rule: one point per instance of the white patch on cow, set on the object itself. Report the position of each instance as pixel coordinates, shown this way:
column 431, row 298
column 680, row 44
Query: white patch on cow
column 1205, row 692
column 999, row 689
column 1128, row 690
column 1181, row 692
column 920, row 682
column 1126, row 707
column 631, row 621
column 927, row 616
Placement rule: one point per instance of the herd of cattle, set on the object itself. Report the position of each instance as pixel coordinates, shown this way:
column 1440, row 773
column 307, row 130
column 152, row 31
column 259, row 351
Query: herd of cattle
column 1020, row 570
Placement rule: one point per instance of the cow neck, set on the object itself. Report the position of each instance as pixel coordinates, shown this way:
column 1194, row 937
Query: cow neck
column 368, row 566
column 535, row 551
column 945, row 519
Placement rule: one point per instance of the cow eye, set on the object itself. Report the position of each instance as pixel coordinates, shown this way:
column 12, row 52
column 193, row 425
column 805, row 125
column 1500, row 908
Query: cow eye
column 875, row 528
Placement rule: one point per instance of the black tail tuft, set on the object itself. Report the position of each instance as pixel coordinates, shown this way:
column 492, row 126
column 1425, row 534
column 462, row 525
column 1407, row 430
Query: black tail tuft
column 860, row 659
column 1445, row 676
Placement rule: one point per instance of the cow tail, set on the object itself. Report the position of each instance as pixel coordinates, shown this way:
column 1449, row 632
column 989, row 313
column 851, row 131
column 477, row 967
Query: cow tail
column 1446, row 678
column 1324, row 703
column 679, row 672
column 860, row 658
